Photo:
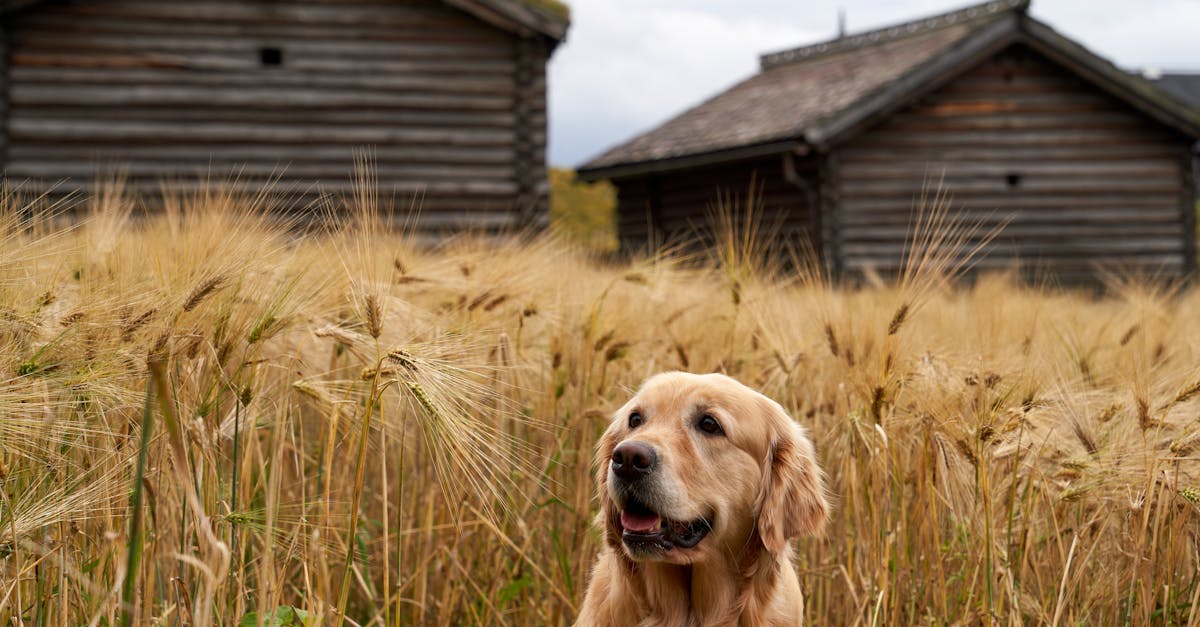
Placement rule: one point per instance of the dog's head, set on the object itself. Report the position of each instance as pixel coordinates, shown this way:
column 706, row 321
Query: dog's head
column 695, row 467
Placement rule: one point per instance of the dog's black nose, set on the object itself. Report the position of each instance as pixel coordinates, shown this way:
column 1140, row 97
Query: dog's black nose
column 633, row 460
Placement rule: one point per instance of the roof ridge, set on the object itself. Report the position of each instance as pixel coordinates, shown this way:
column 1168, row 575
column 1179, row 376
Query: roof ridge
column 890, row 33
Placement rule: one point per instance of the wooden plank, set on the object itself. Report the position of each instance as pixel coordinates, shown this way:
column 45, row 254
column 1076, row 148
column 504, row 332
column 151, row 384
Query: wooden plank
column 1024, row 232
column 427, row 82
column 865, row 154
column 367, row 117
column 342, row 155
column 84, row 132
column 954, row 170
column 28, row 168
column 32, row 95
column 1077, row 185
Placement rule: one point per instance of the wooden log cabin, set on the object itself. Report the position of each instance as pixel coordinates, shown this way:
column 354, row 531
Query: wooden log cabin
column 447, row 97
column 1085, row 167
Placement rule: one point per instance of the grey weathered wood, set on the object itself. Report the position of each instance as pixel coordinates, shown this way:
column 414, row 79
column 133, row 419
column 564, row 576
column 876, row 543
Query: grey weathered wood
column 1076, row 178
column 177, row 90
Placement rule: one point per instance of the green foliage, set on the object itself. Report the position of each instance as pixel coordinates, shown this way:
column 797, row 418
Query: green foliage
column 282, row 616
column 584, row 212
column 558, row 9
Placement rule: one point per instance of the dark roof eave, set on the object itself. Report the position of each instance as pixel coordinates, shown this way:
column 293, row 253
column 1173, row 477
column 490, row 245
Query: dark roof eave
column 515, row 16
column 660, row 166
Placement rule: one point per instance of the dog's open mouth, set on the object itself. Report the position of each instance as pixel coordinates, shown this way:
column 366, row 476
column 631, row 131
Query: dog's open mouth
column 643, row 529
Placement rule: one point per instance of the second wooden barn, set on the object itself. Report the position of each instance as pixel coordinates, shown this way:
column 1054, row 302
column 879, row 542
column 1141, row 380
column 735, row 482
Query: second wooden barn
column 1090, row 168
column 448, row 95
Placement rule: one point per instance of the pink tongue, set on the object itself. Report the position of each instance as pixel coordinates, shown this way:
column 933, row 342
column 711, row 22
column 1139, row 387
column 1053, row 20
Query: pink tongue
column 638, row 523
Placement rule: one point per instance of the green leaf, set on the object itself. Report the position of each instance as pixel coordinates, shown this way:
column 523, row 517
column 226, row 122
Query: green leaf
column 282, row 616
column 514, row 588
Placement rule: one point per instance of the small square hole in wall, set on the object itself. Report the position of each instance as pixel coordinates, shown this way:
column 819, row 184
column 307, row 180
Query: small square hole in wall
column 270, row 56
column 1013, row 180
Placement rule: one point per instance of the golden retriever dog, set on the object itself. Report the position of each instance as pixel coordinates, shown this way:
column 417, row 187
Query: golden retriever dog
column 703, row 483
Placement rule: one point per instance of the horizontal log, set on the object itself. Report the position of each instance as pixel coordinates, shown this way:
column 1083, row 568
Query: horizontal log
column 366, row 117
column 28, row 168
column 428, row 81
column 1028, row 185
column 499, row 193
column 231, row 12
column 249, row 97
column 1129, row 247
column 850, row 157
column 432, row 19
column 1020, row 233
column 1006, row 202
column 1123, row 125
column 1018, row 139
column 349, row 116
column 1048, row 219
column 349, row 49
column 1160, row 266
column 241, row 153
column 953, row 170
column 22, row 128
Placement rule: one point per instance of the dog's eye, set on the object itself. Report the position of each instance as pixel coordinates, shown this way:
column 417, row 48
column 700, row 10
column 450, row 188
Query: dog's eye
column 709, row 425
column 635, row 420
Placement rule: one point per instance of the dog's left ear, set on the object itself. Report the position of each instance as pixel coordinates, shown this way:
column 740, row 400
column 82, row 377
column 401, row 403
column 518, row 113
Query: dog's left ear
column 792, row 498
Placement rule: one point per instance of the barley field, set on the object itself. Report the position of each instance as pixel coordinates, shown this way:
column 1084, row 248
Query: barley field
column 207, row 418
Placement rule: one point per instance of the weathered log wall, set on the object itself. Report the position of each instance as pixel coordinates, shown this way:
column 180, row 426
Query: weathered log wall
column 1083, row 181
column 451, row 108
column 675, row 206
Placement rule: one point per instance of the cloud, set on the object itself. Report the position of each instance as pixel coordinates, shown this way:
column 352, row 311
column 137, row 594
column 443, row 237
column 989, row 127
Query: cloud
column 632, row 66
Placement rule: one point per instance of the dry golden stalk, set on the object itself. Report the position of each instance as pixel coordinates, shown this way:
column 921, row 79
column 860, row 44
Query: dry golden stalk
column 71, row 318
column 495, row 302
column 898, row 319
column 603, row 341
column 479, row 300
column 1186, row 393
column 130, row 327
column 1129, row 333
column 831, row 340
column 681, row 353
column 374, row 315
column 201, row 292
column 1143, row 413
column 616, row 351
column 504, row 351
column 1109, row 413
column 403, row 359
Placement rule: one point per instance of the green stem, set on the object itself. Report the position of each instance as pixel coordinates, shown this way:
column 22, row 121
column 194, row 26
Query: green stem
column 360, row 466
column 135, row 520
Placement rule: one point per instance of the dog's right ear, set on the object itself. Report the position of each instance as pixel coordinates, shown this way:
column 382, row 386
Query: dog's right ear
column 792, row 502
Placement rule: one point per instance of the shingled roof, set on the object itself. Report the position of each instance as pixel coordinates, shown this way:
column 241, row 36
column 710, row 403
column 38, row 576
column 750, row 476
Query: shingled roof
column 1184, row 86
column 817, row 95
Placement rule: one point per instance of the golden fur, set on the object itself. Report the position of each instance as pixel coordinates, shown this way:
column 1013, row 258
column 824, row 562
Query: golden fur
column 757, row 482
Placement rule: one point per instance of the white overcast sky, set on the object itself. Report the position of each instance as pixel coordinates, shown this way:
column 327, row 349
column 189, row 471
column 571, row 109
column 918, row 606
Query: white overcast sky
column 628, row 65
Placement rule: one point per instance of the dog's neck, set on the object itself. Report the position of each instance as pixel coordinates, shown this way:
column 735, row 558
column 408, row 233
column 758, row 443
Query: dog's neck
column 708, row 593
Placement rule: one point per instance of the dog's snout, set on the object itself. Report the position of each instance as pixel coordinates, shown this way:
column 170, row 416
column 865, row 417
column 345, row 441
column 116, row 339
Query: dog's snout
column 633, row 460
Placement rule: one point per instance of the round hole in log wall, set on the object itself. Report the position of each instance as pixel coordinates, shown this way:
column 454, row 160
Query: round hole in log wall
column 270, row 56
column 1013, row 179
